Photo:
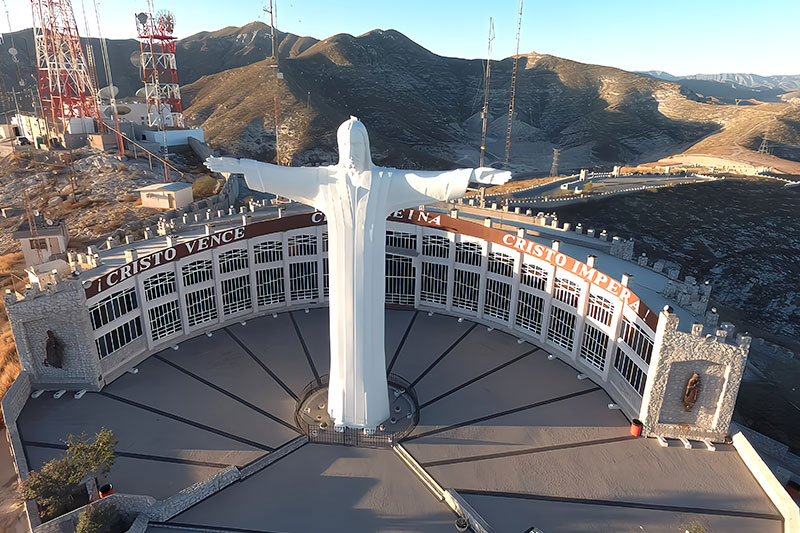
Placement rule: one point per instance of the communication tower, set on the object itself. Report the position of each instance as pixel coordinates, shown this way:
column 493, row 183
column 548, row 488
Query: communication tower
column 487, row 77
column 65, row 89
column 554, row 168
column 513, row 86
column 159, row 69
column 764, row 148
column 90, row 64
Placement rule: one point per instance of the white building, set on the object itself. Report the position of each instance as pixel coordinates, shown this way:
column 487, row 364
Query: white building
column 167, row 195
column 44, row 241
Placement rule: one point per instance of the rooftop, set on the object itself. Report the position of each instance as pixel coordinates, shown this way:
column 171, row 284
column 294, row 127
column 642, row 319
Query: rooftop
column 42, row 227
column 518, row 435
column 172, row 186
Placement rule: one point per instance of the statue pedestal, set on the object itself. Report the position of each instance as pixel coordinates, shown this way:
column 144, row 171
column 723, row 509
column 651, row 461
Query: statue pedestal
column 313, row 419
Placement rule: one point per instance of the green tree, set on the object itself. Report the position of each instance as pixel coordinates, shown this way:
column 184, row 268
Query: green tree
column 56, row 487
column 98, row 519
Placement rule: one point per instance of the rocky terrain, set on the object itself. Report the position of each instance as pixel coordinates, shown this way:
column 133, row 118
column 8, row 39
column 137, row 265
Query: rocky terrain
column 104, row 190
column 744, row 236
column 741, row 234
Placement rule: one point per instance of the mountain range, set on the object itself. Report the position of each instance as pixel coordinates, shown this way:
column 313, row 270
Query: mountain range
column 752, row 81
column 424, row 110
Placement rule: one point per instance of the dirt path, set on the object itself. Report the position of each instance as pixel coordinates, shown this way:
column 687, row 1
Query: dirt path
column 12, row 513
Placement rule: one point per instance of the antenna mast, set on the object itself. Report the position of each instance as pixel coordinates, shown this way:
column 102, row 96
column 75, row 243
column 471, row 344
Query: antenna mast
column 109, row 79
column 272, row 10
column 64, row 86
column 90, row 64
column 484, row 113
column 513, row 86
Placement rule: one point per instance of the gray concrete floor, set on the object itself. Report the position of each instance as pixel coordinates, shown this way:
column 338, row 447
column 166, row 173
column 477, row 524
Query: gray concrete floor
column 524, row 439
column 323, row 488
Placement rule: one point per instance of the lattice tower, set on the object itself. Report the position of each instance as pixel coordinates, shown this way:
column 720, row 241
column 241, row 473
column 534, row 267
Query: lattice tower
column 513, row 86
column 554, row 168
column 159, row 69
column 764, row 148
column 487, row 76
column 65, row 89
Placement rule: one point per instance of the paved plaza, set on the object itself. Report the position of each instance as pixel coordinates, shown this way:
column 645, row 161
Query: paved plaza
column 519, row 436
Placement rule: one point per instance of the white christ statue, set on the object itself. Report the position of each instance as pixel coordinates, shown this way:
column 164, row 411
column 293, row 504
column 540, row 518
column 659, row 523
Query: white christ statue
column 356, row 196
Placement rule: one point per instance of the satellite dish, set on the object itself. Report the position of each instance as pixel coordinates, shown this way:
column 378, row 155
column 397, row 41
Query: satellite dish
column 121, row 110
column 106, row 93
column 13, row 51
column 141, row 93
column 142, row 18
column 48, row 222
column 165, row 21
column 136, row 58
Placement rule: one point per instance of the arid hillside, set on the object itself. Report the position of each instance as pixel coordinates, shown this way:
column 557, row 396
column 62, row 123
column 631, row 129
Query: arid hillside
column 424, row 110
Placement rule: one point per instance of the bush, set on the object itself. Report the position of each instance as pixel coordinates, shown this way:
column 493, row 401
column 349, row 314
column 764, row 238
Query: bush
column 56, row 487
column 203, row 187
column 98, row 519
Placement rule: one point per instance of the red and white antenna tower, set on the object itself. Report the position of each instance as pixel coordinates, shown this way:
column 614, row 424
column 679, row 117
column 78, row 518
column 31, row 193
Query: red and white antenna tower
column 65, row 89
column 159, row 69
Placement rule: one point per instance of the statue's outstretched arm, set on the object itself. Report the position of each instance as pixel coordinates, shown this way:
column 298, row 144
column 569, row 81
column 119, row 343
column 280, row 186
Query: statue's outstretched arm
column 411, row 188
column 298, row 183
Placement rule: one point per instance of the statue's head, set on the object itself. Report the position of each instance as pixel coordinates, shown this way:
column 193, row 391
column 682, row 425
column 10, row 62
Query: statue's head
column 354, row 145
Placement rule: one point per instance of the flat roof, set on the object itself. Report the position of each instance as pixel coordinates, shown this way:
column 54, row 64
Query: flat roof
column 522, row 439
column 173, row 186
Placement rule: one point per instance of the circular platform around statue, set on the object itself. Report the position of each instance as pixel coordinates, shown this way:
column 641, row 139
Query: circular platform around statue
column 313, row 417
column 518, row 435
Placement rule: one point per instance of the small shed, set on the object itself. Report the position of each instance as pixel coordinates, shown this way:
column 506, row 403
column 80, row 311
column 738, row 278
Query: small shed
column 167, row 195
column 43, row 242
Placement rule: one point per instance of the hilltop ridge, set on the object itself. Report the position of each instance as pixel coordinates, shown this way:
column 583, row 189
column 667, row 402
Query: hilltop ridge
column 424, row 110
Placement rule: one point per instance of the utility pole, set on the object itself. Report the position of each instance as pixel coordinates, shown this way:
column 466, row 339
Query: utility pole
column 485, row 111
column 513, row 87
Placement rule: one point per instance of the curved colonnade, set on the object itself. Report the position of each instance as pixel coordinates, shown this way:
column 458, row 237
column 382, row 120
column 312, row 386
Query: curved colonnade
column 434, row 263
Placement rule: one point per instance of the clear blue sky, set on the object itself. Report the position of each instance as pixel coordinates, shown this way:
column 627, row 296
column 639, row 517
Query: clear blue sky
column 678, row 36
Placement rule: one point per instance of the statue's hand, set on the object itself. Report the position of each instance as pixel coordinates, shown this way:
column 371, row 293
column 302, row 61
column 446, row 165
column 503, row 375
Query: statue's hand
column 490, row 176
column 223, row 164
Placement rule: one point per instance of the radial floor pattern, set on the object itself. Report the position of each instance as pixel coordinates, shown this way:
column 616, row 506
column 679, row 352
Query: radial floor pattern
column 522, row 439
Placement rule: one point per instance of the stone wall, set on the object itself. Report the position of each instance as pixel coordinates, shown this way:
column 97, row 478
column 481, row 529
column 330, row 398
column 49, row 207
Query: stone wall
column 128, row 506
column 774, row 490
column 677, row 356
column 60, row 308
column 13, row 403
column 166, row 509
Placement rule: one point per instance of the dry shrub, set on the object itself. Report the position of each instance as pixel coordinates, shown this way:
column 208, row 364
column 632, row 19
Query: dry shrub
column 76, row 244
column 11, row 265
column 203, row 187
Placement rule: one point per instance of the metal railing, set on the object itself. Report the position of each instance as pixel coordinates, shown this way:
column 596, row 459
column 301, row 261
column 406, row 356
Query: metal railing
column 385, row 438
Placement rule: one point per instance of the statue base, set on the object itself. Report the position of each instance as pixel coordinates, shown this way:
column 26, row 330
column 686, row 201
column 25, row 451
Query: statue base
column 313, row 419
